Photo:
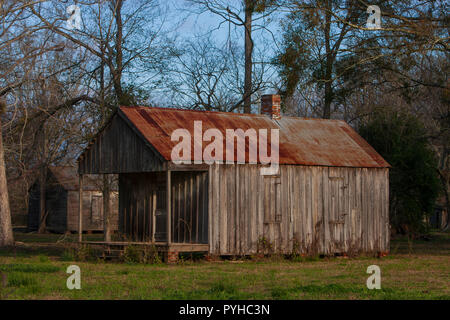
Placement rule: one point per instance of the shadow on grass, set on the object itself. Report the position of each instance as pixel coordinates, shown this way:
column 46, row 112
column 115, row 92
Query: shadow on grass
column 337, row 291
column 437, row 243
column 30, row 252
column 29, row 268
column 220, row 290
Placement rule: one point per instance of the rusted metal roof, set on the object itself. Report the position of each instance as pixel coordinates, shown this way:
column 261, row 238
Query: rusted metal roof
column 302, row 141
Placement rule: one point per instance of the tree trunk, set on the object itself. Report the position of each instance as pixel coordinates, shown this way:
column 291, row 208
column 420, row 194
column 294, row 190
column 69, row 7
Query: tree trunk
column 328, row 100
column 106, row 183
column 248, row 87
column 444, row 182
column 106, row 208
column 328, row 67
column 6, row 233
column 117, row 77
column 42, row 198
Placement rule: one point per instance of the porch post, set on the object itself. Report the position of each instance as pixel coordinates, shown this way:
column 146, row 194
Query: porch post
column 154, row 216
column 169, row 211
column 80, row 210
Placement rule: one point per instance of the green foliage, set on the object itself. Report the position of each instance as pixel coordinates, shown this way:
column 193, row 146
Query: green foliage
column 264, row 246
column 414, row 185
column 294, row 59
column 144, row 255
column 26, row 283
column 43, row 258
column 29, row 268
column 68, row 255
column 223, row 288
column 80, row 253
column 422, row 276
column 20, row 279
column 83, row 253
column 304, row 258
column 131, row 255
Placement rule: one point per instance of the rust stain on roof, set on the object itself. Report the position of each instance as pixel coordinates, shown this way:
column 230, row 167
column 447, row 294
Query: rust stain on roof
column 303, row 141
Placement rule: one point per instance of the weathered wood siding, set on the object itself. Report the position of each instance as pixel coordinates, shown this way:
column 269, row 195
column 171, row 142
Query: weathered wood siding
column 62, row 207
column 33, row 207
column 313, row 210
column 92, row 211
column 56, row 206
column 141, row 194
column 137, row 193
column 189, row 207
column 119, row 149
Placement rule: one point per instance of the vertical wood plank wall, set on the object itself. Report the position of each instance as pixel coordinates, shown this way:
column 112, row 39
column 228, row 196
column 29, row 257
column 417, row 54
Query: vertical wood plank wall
column 119, row 150
column 189, row 206
column 89, row 222
column 137, row 195
column 313, row 210
column 56, row 205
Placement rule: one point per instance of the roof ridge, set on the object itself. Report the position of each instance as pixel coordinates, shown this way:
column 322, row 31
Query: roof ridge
column 190, row 110
column 228, row 113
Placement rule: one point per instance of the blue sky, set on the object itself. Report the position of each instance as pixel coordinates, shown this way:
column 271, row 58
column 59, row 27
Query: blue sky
column 190, row 24
column 200, row 24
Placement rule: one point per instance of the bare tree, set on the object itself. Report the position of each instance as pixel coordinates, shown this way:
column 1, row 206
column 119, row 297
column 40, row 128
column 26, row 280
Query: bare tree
column 208, row 76
column 122, row 38
column 14, row 51
column 6, row 234
column 246, row 13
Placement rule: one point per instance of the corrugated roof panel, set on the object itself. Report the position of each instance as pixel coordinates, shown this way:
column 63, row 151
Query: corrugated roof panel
column 303, row 141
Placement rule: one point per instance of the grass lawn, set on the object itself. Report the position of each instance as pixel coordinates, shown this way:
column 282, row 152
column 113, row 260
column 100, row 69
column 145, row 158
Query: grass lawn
column 418, row 270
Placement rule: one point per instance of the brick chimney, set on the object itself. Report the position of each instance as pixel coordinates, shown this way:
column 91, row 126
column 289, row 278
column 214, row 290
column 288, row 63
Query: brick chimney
column 271, row 106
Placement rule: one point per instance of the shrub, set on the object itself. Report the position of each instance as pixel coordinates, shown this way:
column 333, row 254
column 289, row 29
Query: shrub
column 80, row 253
column 414, row 184
column 43, row 258
column 68, row 255
column 264, row 246
column 144, row 254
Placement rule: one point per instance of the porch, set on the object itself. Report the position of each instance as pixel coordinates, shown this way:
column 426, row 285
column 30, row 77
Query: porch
column 169, row 252
column 167, row 211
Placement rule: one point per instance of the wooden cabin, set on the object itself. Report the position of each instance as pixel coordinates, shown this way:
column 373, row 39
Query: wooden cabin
column 439, row 217
column 330, row 195
column 62, row 202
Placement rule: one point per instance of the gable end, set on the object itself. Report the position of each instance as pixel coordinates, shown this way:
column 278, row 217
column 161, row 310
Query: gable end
column 119, row 148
